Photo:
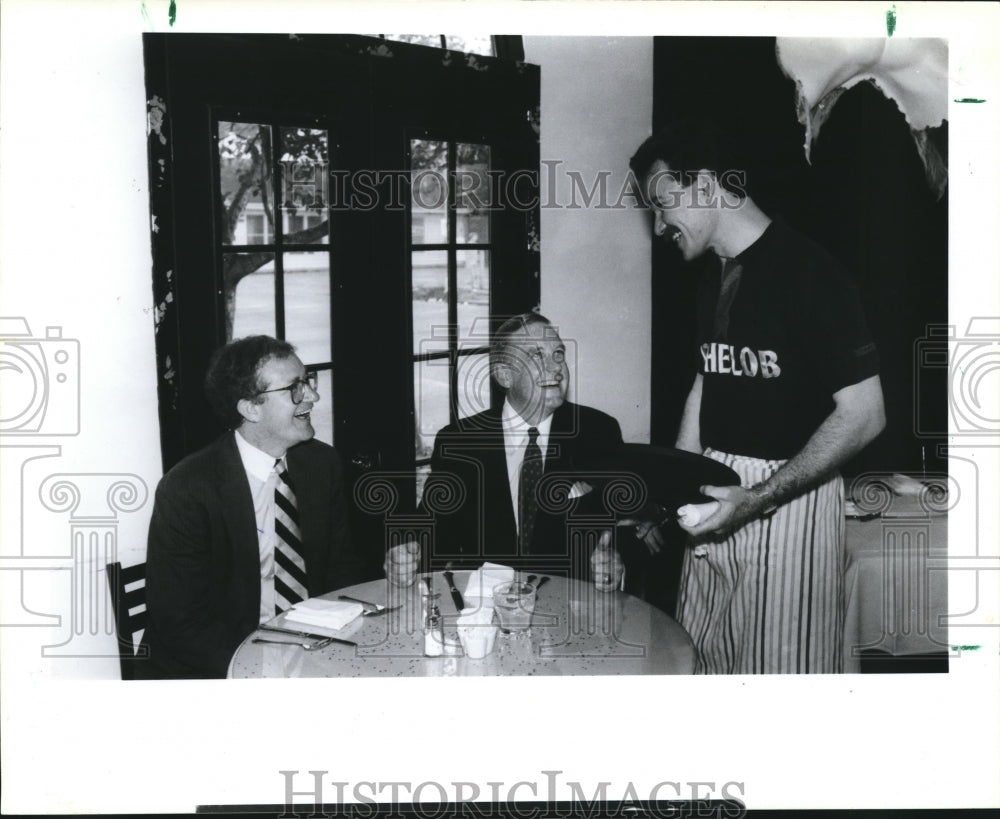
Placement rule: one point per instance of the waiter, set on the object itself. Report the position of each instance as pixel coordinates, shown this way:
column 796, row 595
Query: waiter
column 786, row 391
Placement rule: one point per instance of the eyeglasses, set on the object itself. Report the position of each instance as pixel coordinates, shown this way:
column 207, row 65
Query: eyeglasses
column 298, row 387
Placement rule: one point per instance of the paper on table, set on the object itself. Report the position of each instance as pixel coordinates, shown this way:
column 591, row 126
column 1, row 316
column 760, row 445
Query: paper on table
column 482, row 581
column 332, row 614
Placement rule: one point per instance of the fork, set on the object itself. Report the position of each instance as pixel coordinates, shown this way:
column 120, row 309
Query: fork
column 307, row 646
column 379, row 612
column 375, row 609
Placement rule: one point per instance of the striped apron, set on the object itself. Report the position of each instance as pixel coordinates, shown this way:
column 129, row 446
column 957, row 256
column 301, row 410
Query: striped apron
column 769, row 598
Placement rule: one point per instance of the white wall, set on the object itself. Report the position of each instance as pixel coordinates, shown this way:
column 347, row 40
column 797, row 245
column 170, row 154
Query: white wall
column 74, row 234
column 596, row 108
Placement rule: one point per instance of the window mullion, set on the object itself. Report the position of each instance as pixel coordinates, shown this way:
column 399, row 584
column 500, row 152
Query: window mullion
column 277, row 181
column 452, row 213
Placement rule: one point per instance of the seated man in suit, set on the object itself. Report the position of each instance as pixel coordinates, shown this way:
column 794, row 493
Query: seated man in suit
column 494, row 461
column 249, row 525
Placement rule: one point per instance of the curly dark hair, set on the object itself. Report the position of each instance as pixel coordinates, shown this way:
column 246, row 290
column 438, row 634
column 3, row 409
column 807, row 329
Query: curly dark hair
column 233, row 374
column 688, row 146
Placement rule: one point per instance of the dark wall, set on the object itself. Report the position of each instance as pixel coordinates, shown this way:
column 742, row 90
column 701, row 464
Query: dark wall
column 864, row 197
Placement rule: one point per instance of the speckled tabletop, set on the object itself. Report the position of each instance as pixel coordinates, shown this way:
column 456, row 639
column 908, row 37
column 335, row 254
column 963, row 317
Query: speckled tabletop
column 575, row 630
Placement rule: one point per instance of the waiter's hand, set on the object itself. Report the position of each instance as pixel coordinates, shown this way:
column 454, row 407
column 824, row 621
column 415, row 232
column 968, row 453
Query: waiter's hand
column 737, row 506
column 401, row 563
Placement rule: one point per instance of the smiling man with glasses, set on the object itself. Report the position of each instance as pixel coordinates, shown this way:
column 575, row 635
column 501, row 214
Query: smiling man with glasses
column 250, row 525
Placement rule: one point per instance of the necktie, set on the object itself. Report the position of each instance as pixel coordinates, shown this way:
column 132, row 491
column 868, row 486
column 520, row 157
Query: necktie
column 731, row 272
column 289, row 565
column 531, row 473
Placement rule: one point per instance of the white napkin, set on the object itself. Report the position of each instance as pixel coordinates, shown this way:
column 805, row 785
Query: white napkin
column 333, row 614
column 477, row 631
column 475, row 616
column 482, row 580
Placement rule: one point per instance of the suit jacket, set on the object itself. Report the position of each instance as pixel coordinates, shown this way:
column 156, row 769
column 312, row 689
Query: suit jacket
column 468, row 491
column 203, row 559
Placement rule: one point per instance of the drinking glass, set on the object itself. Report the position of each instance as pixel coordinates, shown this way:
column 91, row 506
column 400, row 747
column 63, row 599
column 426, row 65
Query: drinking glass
column 514, row 602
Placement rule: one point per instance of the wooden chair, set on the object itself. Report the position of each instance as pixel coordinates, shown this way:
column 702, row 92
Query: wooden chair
column 129, row 607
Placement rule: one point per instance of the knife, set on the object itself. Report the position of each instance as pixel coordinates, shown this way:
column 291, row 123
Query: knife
column 367, row 606
column 309, row 634
column 456, row 595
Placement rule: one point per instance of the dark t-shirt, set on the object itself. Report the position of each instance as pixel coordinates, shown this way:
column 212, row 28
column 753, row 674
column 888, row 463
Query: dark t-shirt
column 796, row 336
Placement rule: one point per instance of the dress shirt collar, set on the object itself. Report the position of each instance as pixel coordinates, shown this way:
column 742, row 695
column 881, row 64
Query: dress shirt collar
column 255, row 461
column 514, row 426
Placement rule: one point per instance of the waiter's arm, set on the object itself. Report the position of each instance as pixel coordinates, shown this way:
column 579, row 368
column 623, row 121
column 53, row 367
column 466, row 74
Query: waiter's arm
column 689, row 435
column 857, row 418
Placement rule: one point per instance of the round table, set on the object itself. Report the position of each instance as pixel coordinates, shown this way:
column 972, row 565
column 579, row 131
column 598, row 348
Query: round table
column 575, row 630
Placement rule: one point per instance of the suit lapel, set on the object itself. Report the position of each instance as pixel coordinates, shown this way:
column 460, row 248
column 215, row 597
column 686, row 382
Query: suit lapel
column 494, row 458
column 561, row 437
column 237, row 511
column 550, row 529
column 491, row 515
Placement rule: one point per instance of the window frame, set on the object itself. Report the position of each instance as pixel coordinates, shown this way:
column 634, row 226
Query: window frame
column 278, row 246
column 377, row 96
column 452, row 247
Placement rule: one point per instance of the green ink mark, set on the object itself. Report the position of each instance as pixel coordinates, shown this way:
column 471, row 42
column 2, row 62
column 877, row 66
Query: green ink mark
column 172, row 12
column 890, row 20
column 969, row 99
column 965, row 648
column 145, row 16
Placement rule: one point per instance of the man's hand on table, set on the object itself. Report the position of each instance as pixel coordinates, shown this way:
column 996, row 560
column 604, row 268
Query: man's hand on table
column 401, row 563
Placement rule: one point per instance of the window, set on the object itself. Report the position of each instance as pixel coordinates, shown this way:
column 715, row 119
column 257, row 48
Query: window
column 475, row 44
column 276, row 272
column 450, row 275
column 280, row 196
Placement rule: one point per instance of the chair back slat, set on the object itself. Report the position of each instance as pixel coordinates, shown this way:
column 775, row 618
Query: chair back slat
column 133, row 574
column 128, row 624
column 135, row 598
